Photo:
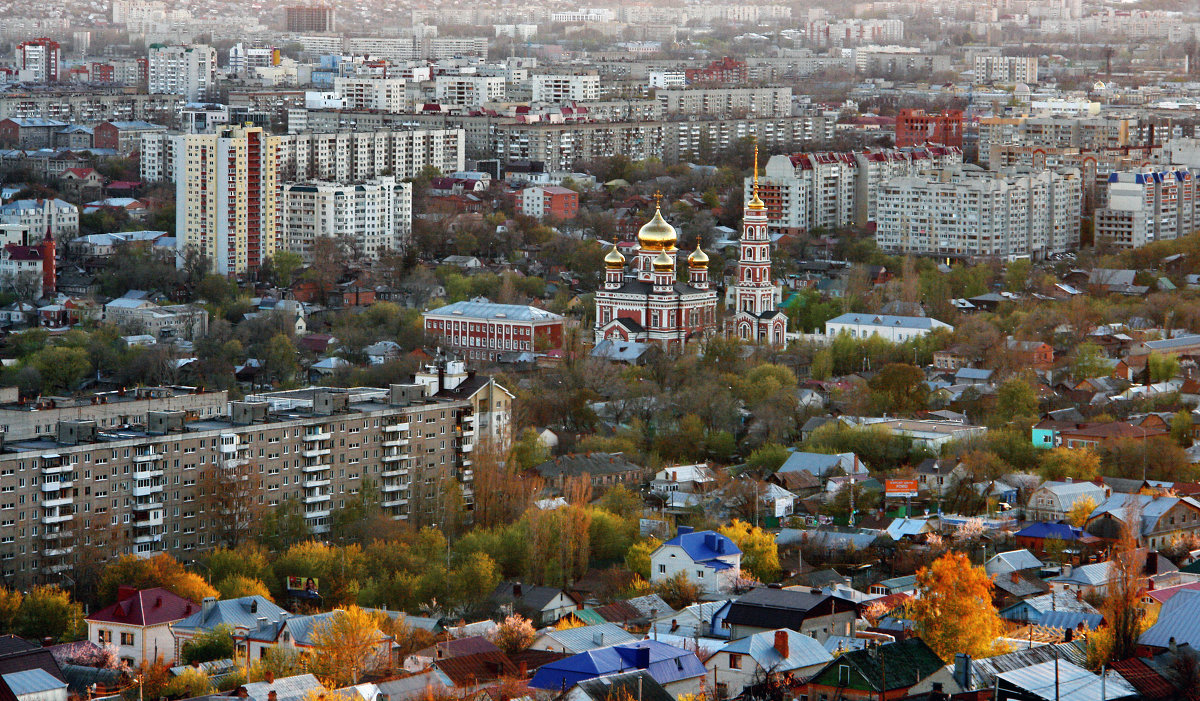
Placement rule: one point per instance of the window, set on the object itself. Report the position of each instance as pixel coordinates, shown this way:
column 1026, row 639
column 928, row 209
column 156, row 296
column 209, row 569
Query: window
column 843, row 675
column 127, row 638
column 735, row 661
column 699, row 574
column 662, row 569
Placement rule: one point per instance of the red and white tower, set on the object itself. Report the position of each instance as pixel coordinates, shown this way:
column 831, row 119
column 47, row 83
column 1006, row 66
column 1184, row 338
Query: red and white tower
column 755, row 317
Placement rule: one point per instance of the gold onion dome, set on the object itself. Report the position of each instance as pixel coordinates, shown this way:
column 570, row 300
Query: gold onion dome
column 614, row 259
column 657, row 234
column 698, row 258
column 663, row 263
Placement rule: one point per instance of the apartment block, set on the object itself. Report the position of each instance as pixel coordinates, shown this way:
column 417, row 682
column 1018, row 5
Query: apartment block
column 468, row 90
column 226, row 197
column 1151, row 203
column 190, row 71
column 181, row 481
column 558, row 87
column 727, row 102
column 368, row 218
column 916, row 128
column 549, row 201
column 1056, row 131
column 849, row 32
column 89, row 107
column 1006, row 69
column 382, row 94
column 483, row 330
column 305, row 19
column 350, row 156
column 38, row 61
column 805, row 191
column 967, row 212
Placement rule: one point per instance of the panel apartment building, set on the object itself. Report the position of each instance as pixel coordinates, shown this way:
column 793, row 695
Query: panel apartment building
column 967, row 212
column 85, row 489
column 371, row 217
column 1148, row 204
column 1046, row 130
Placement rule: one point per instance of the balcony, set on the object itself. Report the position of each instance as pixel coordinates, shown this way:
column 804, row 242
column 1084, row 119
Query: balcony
column 467, row 447
column 393, row 487
column 147, row 456
column 55, row 535
column 396, row 457
column 317, row 467
column 147, row 505
column 148, row 521
column 395, row 442
column 394, row 472
column 397, row 427
column 57, row 569
column 146, row 490
column 55, row 486
column 314, row 482
column 55, row 468
column 51, row 519
column 319, row 527
column 57, row 502
column 315, row 452
column 316, row 498
column 318, row 436
column 148, row 538
column 144, row 473
column 58, row 552
column 393, row 503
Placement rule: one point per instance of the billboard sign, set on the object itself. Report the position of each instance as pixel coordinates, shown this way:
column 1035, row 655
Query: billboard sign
column 308, row 585
column 900, row 488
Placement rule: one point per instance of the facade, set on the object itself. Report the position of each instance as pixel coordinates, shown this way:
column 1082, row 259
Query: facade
column 190, row 71
column 349, row 156
column 549, row 201
column 1163, row 520
column 226, row 197
column 123, row 136
column 1006, row 69
column 558, row 88
column 35, row 216
column 1050, row 131
column 651, row 306
column 139, row 316
column 38, row 61
column 916, row 128
column 1154, row 203
column 139, row 624
column 896, row 329
column 709, row 560
column 240, row 615
column 369, row 218
column 1052, row 500
column 754, row 296
column 383, row 94
column 770, row 655
column 967, row 212
column 727, row 102
column 315, row 446
column 308, row 19
column 468, row 90
column 763, row 609
column 482, row 330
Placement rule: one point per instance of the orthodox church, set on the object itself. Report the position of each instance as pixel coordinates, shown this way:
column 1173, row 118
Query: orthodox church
column 651, row 305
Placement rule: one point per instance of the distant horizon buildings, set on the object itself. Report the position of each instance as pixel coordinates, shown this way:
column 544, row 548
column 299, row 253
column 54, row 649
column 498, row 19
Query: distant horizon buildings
column 309, row 19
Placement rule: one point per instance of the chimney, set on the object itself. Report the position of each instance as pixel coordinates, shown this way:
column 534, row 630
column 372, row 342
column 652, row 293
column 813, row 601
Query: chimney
column 254, row 606
column 195, row 664
column 1079, row 595
column 158, row 601
column 684, row 530
column 1014, row 576
column 517, row 590
column 962, row 670
column 49, row 273
column 598, row 639
column 642, row 657
column 209, row 603
column 781, row 643
column 269, row 677
column 1066, row 570
column 125, row 591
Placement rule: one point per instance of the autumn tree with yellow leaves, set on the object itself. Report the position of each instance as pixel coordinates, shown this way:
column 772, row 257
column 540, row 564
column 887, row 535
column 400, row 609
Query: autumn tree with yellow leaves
column 347, row 645
column 954, row 611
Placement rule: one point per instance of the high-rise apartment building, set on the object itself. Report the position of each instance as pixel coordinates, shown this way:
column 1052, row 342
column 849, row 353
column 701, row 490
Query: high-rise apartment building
column 1006, row 69
column 308, row 19
column 226, row 197
column 727, row 102
column 367, row 218
column 372, row 94
column 190, row 71
column 1058, row 131
column 916, row 128
column 967, row 212
column 1153, row 203
column 560, row 87
column 468, row 90
column 38, row 60
column 172, row 480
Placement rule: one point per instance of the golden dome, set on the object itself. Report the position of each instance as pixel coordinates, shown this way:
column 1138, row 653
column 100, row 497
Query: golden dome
column 698, row 258
column 614, row 259
column 663, row 263
column 657, row 234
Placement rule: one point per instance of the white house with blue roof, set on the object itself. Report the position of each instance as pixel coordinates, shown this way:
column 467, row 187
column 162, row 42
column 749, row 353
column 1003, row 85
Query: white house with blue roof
column 708, row 559
column 896, row 329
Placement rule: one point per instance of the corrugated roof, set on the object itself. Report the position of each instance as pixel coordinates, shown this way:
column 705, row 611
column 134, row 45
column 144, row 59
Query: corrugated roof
column 1179, row 619
column 664, row 662
column 484, row 309
column 32, row 681
column 802, row 650
column 1065, row 681
column 591, row 637
column 887, row 320
column 237, row 613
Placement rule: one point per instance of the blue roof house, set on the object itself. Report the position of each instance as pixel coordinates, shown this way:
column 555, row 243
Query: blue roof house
column 708, row 559
column 679, row 671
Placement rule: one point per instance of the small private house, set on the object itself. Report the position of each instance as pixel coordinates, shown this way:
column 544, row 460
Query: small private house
column 242, row 615
column 1053, row 500
column 810, row 612
column 542, row 605
column 576, row 640
column 896, row 329
column 32, row 685
column 691, row 479
column 1012, row 561
column 708, row 559
column 757, row 658
column 300, row 633
column 896, row 670
column 679, row 671
column 1160, row 519
column 139, row 624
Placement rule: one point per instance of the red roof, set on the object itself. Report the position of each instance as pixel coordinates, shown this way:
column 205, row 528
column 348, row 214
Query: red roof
column 16, row 252
column 1148, row 683
column 82, row 173
column 147, row 607
column 480, row 668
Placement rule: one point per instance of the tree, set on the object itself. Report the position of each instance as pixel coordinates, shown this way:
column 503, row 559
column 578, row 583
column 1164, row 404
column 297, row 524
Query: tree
column 162, row 570
column 284, row 265
column 1122, row 605
column 1076, row 463
column 214, row 644
column 189, row 685
column 48, row 612
column 899, row 388
column 153, row 676
column 1080, row 510
column 514, row 634
column 1181, row 428
column 768, row 457
column 953, row 611
column 231, row 490
column 637, row 558
column 237, row 586
column 760, row 554
column 677, row 590
column 528, row 451
column 621, row 501
column 285, row 525
column 61, row 368
column 248, row 560
column 279, row 360
column 348, row 644
column 1162, row 367
column 1089, row 361
column 1016, row 400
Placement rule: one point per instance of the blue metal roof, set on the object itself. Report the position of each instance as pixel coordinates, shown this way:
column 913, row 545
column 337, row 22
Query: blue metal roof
column 1056, row 531
column 906, row 322
column 664, row 662
column 1179, row 620
column 1069, row 620
column 32, row 681
column 704, row 546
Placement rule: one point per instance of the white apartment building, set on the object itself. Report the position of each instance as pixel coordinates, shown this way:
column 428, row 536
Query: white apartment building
column 561, row 87
column 226, row 197
column 659, row 80
column 727, row 102
column 969, row 212
column 468, row 90
column 38, row 61
column 1056, row 131
column 33, row 216
column 375, row 94
column 352, row 156
column 854, row 31
column 368, row 218
column 190, row 71
column 1006, row 69
column 1155, row 203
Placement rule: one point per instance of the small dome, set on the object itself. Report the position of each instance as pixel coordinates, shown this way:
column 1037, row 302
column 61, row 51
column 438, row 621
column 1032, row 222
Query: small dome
column 614, row 259
column 657, row 234
column 663, row 263
column 698, row 258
